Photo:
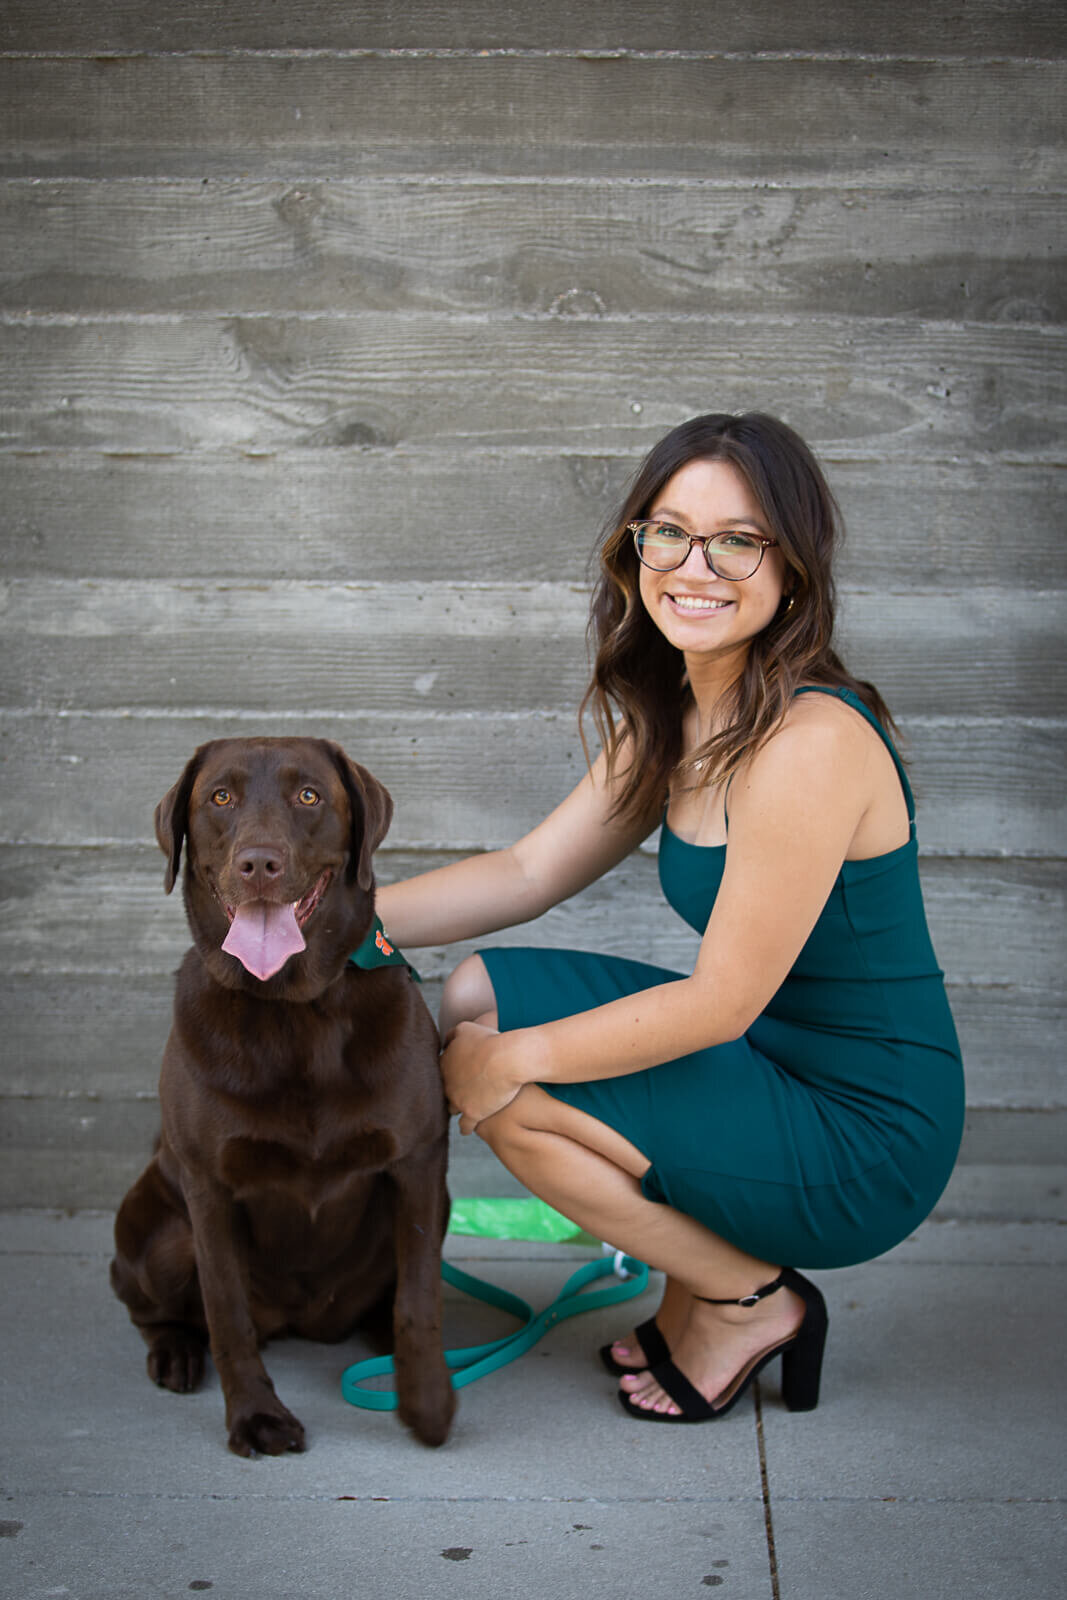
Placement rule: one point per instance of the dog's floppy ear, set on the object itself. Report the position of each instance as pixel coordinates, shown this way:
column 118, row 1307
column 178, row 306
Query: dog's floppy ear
column 172, row 818
column 370, row 807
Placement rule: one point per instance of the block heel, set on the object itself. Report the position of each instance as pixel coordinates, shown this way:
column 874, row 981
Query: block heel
column 802, row 1359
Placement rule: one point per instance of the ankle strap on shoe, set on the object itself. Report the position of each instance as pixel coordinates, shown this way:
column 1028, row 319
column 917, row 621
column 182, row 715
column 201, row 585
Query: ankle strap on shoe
column 747, row 1299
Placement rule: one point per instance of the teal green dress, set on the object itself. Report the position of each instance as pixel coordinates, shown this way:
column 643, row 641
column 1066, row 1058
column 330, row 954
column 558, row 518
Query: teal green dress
column 827, row 1132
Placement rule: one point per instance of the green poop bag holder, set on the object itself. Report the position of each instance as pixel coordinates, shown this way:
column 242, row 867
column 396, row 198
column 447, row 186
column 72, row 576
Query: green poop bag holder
column 527, row 1219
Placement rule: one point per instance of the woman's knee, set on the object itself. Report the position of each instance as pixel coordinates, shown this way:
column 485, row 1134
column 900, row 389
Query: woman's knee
column 527, row 1119
column 534, row 1115
column 467, row 996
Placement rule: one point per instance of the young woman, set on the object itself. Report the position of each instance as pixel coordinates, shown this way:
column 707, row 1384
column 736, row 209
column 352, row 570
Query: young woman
column 795, row 1100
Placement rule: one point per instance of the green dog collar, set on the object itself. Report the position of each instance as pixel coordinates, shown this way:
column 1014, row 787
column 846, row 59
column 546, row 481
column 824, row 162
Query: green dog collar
column 377, row 950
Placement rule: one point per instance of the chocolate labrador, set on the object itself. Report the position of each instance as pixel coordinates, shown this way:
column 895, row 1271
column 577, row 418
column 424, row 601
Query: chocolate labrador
column 298, row 1185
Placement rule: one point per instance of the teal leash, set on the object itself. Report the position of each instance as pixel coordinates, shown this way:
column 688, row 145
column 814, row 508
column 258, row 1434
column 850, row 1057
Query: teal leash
column 478, row 1360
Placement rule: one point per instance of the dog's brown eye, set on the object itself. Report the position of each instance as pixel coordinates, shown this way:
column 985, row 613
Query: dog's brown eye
column 309, row 797
column 221, row 797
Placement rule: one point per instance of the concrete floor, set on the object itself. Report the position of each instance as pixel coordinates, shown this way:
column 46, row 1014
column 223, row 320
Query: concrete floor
column 934, row 1466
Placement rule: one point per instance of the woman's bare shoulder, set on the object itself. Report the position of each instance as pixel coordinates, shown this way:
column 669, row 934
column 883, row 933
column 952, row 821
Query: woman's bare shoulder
column 822, row 747
column 816, row 723
column 827, row 756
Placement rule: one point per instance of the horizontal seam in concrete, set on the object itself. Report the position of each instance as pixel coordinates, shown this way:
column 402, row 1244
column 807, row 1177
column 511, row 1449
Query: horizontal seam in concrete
column 245, row 179
column 418, row 716
column 103, row 1099
column 57, row 1255
column 246, row 713
column 976, row 459
column 242, row 177
column 215, row 583
column 508, row 318
column 105, row 1253
column 165, row 968
column 460, row 847
column 466, row 1246
column 590, row 53
column 391, row 847
column 917, row 1500
column 148, row 1496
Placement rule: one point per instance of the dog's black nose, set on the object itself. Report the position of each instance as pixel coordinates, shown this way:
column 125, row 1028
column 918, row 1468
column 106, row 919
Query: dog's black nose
column 261, row 864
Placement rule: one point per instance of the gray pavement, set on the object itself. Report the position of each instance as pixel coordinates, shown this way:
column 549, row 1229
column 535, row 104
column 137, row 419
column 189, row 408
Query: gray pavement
column 934, row 1466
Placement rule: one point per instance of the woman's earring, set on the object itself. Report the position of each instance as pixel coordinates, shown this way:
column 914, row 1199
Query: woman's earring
column 792, row 602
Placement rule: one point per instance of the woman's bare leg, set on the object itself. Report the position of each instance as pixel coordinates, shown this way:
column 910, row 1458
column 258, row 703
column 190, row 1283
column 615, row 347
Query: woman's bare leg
column 467, row 997
column 592, row 1174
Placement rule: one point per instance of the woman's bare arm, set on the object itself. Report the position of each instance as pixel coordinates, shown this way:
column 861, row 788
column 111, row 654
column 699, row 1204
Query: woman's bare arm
column 566, row 852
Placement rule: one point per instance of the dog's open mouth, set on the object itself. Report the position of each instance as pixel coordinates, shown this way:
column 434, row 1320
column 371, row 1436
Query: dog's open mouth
column 263, row 934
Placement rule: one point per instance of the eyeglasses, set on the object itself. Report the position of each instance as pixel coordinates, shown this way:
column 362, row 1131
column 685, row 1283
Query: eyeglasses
column 734, row 555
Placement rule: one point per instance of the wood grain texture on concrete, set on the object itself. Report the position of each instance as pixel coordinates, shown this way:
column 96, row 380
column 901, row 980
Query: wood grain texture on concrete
column 466, row 646
column 196, row 384
column 568, row 247
column 1006, row 28
column 330, row 339
column 473, row 780
column 463, row 513
column 827, row 121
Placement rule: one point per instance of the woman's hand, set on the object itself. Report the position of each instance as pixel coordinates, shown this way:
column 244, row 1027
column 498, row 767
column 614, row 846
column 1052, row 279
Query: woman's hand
column 478, row 1078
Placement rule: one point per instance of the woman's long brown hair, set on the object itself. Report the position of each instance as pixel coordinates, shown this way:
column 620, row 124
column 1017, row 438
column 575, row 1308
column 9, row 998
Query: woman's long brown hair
column 638, row 692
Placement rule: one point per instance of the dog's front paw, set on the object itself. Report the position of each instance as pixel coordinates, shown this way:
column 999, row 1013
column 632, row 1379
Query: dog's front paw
column 428, row 1405
column 266, row 1433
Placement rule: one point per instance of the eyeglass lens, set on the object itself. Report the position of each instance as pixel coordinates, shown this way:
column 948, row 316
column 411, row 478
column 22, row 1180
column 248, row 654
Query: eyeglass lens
column 730, row 555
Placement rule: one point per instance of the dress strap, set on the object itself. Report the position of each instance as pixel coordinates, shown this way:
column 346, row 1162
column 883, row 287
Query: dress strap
column 852, row 699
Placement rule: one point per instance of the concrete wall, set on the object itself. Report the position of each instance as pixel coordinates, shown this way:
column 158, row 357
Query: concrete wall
column 271, row 280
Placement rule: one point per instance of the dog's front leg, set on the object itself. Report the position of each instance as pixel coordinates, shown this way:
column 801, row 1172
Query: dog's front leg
column 425, row 1397
column 256, row 1420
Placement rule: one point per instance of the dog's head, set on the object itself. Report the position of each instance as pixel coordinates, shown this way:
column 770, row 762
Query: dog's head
column 279, row 837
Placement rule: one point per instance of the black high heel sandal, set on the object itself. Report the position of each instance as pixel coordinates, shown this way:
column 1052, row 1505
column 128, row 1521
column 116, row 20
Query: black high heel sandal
column 655, row 1346
column 801, row 1355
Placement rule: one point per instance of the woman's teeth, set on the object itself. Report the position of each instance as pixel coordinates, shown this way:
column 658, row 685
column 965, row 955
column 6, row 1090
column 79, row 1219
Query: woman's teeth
column 689, row 602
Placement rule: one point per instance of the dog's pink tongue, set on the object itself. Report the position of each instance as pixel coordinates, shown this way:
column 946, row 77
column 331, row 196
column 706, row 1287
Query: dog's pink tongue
column 263, row 936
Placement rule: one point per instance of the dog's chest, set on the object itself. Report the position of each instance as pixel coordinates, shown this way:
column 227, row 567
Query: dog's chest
column 308, row 1108
column 308, row 1187
column 307, row 1146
